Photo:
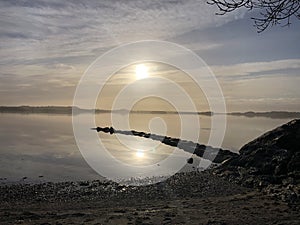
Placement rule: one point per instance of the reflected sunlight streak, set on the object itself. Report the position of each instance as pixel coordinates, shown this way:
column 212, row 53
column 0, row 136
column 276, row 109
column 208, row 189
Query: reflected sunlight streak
column 140, row 154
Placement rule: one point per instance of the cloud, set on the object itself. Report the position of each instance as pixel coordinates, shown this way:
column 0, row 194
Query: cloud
column 49, row 29
column 47, row 45
column 243, row 70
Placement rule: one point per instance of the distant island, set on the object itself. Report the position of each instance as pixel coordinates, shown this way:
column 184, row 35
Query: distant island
column 272, row 114
column 76, row 110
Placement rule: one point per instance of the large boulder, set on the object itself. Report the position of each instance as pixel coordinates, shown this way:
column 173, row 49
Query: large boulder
column 271, row 159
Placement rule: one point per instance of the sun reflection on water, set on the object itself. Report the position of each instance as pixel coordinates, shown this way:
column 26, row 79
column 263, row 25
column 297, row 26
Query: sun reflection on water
column 140, row 154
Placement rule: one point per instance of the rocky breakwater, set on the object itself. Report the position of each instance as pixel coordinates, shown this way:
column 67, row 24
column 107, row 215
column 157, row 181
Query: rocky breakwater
column 271, row 163
column 216, row 155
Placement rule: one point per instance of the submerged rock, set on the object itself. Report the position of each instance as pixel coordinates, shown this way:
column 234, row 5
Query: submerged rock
column 190, row 160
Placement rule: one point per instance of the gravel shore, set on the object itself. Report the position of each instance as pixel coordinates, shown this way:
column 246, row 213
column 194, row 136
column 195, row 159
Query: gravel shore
column 185, row 198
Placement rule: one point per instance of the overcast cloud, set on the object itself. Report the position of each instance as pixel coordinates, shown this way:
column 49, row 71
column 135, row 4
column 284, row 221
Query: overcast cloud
column 45, row 46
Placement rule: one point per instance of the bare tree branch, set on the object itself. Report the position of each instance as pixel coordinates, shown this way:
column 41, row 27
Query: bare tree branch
column 273, row 12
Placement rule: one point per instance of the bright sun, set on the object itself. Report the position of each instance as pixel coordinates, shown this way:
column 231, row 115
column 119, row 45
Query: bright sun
column 141, row 71
column 139, row 154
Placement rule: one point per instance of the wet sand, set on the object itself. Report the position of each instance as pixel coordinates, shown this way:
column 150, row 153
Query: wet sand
column 186, row 198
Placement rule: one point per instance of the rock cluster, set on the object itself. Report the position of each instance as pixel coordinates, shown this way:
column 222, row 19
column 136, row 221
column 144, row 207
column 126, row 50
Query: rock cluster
column 271, row 162
column 215, row 155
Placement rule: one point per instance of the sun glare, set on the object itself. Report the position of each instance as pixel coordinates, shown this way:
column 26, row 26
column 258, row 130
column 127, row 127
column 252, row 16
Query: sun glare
column 139, row 154
column 141, row 71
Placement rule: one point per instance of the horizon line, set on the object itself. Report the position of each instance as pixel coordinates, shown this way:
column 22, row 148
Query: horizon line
column 162, row 111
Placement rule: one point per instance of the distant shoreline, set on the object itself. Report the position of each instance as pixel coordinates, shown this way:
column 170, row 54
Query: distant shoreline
column 76, row 110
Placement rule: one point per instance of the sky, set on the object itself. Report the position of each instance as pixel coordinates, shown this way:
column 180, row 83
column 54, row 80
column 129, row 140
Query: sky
column 46, row 46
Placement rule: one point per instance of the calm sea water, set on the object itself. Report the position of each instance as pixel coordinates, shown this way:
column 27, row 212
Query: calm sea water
column 42, row 147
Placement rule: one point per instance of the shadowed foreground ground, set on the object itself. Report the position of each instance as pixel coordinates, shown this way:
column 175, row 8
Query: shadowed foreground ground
column 193, row 198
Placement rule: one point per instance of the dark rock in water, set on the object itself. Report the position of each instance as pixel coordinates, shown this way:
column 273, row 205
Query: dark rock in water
column 223, row 155
column 271, row 159
column 190, row 160
column 215, row 155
